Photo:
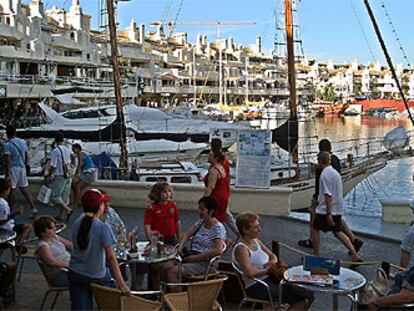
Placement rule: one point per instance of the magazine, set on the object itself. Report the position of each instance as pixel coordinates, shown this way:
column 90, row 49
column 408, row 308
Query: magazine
column 324, row 280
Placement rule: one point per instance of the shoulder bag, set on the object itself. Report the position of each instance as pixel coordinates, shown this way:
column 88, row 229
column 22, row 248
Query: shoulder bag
column 23, row 157
column 375, row 289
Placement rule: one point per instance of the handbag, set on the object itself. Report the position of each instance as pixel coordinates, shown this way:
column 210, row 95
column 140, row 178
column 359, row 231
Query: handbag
column 44, row 194
column 277, row 269
column 375, row 289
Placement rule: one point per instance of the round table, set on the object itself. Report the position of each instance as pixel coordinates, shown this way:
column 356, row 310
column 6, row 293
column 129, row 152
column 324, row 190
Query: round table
column 347, row 283
column 142, row 257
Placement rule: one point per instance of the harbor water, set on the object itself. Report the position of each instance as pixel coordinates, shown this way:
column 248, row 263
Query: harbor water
column 393, row 181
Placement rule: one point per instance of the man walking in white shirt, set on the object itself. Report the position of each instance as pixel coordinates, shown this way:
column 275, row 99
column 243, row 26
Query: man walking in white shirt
column 60, row 177
column 329, row 211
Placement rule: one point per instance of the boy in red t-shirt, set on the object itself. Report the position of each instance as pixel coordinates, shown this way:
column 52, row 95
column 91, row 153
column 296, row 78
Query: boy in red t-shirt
column 161, row 216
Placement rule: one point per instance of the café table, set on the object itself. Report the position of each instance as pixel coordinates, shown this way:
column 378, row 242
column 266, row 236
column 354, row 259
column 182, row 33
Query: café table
column 347, row 283
column 148, row 255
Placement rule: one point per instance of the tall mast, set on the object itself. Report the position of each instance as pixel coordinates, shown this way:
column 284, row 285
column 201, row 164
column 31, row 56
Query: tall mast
column 120, row 120
column 220, row 65
column 291, row 60
column 293, row 118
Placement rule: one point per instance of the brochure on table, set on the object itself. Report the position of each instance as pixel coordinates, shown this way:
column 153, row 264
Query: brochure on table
column 253, row 159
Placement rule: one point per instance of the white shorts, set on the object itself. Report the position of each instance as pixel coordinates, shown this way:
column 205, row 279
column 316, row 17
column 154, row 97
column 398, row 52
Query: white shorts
column 18, row 177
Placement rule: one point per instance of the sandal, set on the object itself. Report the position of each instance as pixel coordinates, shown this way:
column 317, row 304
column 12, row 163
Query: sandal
column 305, row 243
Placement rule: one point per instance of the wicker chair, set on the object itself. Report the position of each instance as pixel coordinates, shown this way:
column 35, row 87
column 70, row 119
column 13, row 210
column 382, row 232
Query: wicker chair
column 200, row 296
column 246, row 297
column 51, row 287
column 109, row 299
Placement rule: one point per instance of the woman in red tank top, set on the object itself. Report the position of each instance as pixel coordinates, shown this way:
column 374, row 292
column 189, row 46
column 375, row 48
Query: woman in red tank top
column 217, row 184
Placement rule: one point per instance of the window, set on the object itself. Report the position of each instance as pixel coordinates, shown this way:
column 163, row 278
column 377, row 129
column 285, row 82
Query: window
column 181, row 180
column 155, row 179
column 72, row 35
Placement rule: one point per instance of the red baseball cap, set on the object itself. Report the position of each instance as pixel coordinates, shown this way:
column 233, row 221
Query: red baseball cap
column 93, row 197
column 107, row 197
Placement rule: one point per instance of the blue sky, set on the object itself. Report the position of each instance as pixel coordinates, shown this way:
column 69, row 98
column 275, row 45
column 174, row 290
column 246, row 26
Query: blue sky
column 331, row 29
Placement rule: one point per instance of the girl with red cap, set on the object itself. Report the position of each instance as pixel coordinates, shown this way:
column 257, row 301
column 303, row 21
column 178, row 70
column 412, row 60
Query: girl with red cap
column 93, row 247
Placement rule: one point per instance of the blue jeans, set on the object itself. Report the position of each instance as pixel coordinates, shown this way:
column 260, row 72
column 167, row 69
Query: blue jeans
column 405, row 279
column 61, row 279
column 81, row 296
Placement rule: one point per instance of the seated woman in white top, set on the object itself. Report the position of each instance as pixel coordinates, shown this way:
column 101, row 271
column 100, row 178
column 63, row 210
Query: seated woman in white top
column 208, row 240
column 52, row 250
column 253, row 258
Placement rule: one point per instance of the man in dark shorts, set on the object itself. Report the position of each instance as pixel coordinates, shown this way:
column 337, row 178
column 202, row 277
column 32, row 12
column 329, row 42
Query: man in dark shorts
column 325, row 145
column 329, row 211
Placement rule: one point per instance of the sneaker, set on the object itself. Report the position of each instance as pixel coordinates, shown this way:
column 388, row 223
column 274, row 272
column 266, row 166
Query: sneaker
column 357, row 245
column 33, row 213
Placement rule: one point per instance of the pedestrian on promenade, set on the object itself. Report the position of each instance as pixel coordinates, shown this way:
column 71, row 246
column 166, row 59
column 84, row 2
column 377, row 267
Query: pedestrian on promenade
column 161, row 219
column 85, row 173
column 329, row 211
column 59, row 177
column 16, row 163
column 217, row 184
column 325, row 145
column 93, row 247
column 216, row 145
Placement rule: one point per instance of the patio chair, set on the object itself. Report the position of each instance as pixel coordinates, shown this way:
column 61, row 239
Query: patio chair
column 200, row 296
column 109, row 299
column 51, row 287
column 246, row 298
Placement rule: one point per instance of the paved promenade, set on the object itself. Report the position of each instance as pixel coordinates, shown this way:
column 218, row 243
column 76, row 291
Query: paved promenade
column 381, row 246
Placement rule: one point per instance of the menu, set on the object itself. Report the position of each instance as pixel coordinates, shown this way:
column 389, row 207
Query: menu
column 314, row 279
column 253, row 159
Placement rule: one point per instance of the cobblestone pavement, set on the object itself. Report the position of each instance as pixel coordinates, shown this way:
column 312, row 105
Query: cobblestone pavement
column 31, row 288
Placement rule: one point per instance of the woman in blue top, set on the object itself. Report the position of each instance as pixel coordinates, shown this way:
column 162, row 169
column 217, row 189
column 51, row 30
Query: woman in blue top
column 85, row 173
column 93, row 247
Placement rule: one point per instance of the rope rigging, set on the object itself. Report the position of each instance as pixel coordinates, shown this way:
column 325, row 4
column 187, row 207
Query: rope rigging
column 394, row 31
column 166, row 11
column 176, row 16
column 364, row 34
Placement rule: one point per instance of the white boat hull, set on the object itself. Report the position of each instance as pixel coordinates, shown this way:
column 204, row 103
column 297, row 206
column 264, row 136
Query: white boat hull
column 276, row 201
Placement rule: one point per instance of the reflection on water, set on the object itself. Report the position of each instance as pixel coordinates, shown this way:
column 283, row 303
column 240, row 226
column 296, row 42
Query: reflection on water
column 394, row 181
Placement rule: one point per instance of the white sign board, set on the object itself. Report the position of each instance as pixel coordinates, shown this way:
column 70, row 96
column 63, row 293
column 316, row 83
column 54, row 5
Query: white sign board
column 253, row 159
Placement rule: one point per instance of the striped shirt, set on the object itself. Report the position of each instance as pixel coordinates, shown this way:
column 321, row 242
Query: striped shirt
column 204, row 239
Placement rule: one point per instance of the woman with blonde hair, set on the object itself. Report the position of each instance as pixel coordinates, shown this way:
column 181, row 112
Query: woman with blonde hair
column 254, row 259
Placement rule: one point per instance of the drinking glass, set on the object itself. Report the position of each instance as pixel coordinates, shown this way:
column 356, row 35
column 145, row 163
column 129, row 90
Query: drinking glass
column 155, row 238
